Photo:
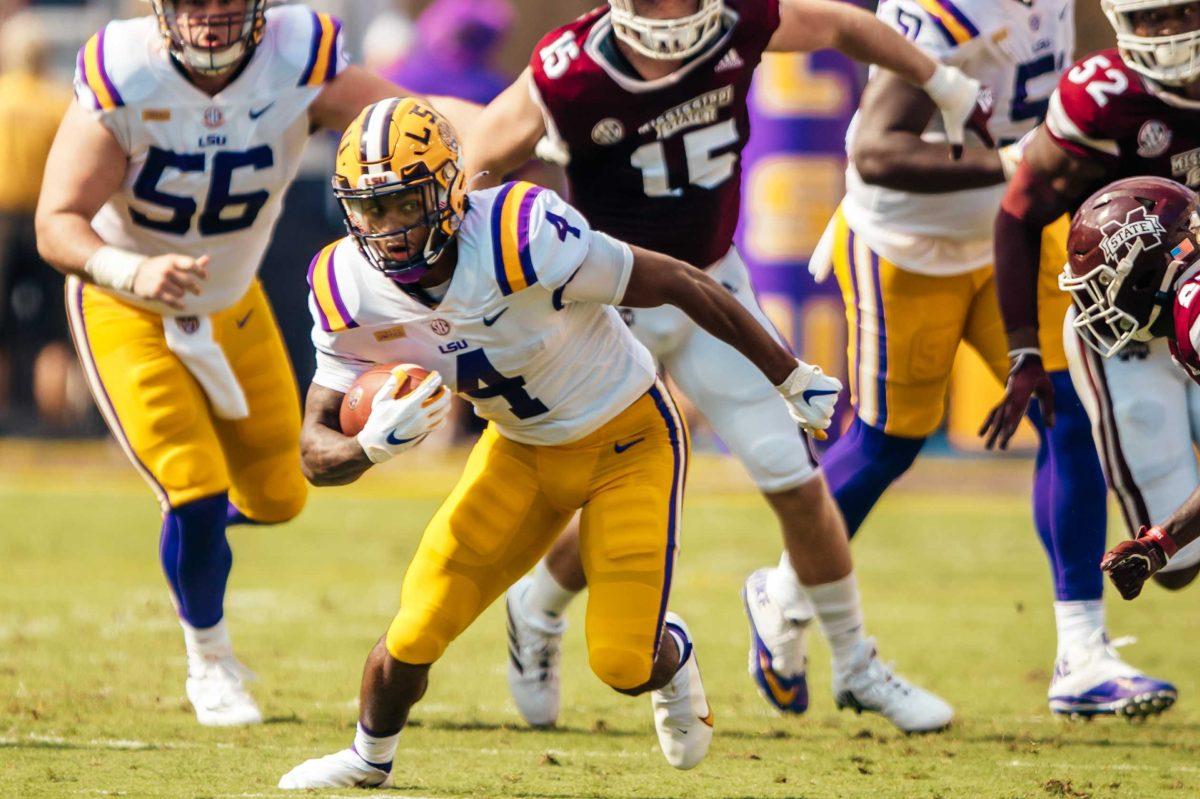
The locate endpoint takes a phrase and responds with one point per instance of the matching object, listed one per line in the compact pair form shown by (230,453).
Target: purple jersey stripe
(497,247)
(112,90)
(959,16)
(523,214)
(881,373)
(331,69)
(322,318)
(81,71)
(337,295)
(314,50)
(679,468)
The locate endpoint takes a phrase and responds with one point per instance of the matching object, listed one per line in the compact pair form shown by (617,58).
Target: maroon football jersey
(1186,339)
(1103,110)
(655,163)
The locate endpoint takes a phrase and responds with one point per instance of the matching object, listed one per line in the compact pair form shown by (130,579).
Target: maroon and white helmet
(1128,244)
(671,38)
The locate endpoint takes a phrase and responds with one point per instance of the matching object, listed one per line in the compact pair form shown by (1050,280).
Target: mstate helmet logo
(1153,139)
(1119,236)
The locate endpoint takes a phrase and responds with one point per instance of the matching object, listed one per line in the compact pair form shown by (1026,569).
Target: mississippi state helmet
(1172,59)
(400,181)
(211,43)
(1128,244)
(666,39)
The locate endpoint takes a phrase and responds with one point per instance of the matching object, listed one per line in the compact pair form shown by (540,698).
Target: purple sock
(196,559)
(861,465)
(1070,496)
(234,516)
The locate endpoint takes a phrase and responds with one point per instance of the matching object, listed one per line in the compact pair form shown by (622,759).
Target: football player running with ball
(160,194)
(507,296)
(1134,270)
(646,101)
(1131,111)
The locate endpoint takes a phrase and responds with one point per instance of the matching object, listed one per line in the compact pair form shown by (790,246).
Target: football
(356,403)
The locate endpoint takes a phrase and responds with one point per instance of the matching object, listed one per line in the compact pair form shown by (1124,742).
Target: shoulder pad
(309,43)
(536,237)
(111,69)
(333,291)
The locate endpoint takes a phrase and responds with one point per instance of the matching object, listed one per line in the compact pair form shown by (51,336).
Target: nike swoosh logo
(619,447)
(782,696)
(256,114)
(807,396)
(391,439)
(488,322)
(242,322)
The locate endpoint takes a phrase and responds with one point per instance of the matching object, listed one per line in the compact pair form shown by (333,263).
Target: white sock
(378,751)
(546,596)
(839,611)
(784,589)
(211,642)
(1077,622)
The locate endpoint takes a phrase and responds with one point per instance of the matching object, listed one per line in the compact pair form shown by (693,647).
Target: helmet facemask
(401,225)
(210,43)
(1172,60)
(667,39)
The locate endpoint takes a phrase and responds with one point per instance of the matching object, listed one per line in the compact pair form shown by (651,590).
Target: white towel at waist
(191,338)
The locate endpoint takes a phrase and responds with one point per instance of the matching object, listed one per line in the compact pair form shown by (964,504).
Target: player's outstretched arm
(810,25)
(1047,183)
(505,135)
(85,167)
(887,149)
(657,279)
(327,457)
(355,88)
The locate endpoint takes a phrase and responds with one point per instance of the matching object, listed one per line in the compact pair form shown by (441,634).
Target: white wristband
(939,83)
(114,268)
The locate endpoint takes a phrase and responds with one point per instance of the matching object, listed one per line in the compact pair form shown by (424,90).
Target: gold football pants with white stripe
(905,329)
(514,499)
(162,419)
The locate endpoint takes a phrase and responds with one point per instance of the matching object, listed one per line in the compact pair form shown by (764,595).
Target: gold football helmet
(400,181)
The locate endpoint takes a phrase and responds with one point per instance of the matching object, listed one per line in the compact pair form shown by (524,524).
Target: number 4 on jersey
(479,379)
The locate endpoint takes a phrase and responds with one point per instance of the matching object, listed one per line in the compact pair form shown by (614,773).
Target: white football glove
(397,424)
(811,395)
(956,95)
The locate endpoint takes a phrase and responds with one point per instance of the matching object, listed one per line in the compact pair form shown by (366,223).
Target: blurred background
(792,182)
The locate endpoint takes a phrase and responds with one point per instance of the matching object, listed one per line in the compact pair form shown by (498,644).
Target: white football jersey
(545,370)
(1017,49)
(206,175)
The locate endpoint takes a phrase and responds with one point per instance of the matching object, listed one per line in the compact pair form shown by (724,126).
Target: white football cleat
(534,646)
(344,769)
(682,715)
(871,685)
(216,687)
(777,653)
(1090,679)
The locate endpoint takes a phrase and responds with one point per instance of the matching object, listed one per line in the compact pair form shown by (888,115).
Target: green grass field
(955,586)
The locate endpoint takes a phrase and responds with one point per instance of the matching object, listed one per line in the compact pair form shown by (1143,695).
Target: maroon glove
(1026,379)
(1131,563)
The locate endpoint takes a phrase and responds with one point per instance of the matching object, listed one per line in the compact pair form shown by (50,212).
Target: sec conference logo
(1153,139)
(440,326)
(608,131)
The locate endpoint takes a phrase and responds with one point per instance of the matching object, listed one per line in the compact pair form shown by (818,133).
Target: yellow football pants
(514,499)
(162,418)
(905,329)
